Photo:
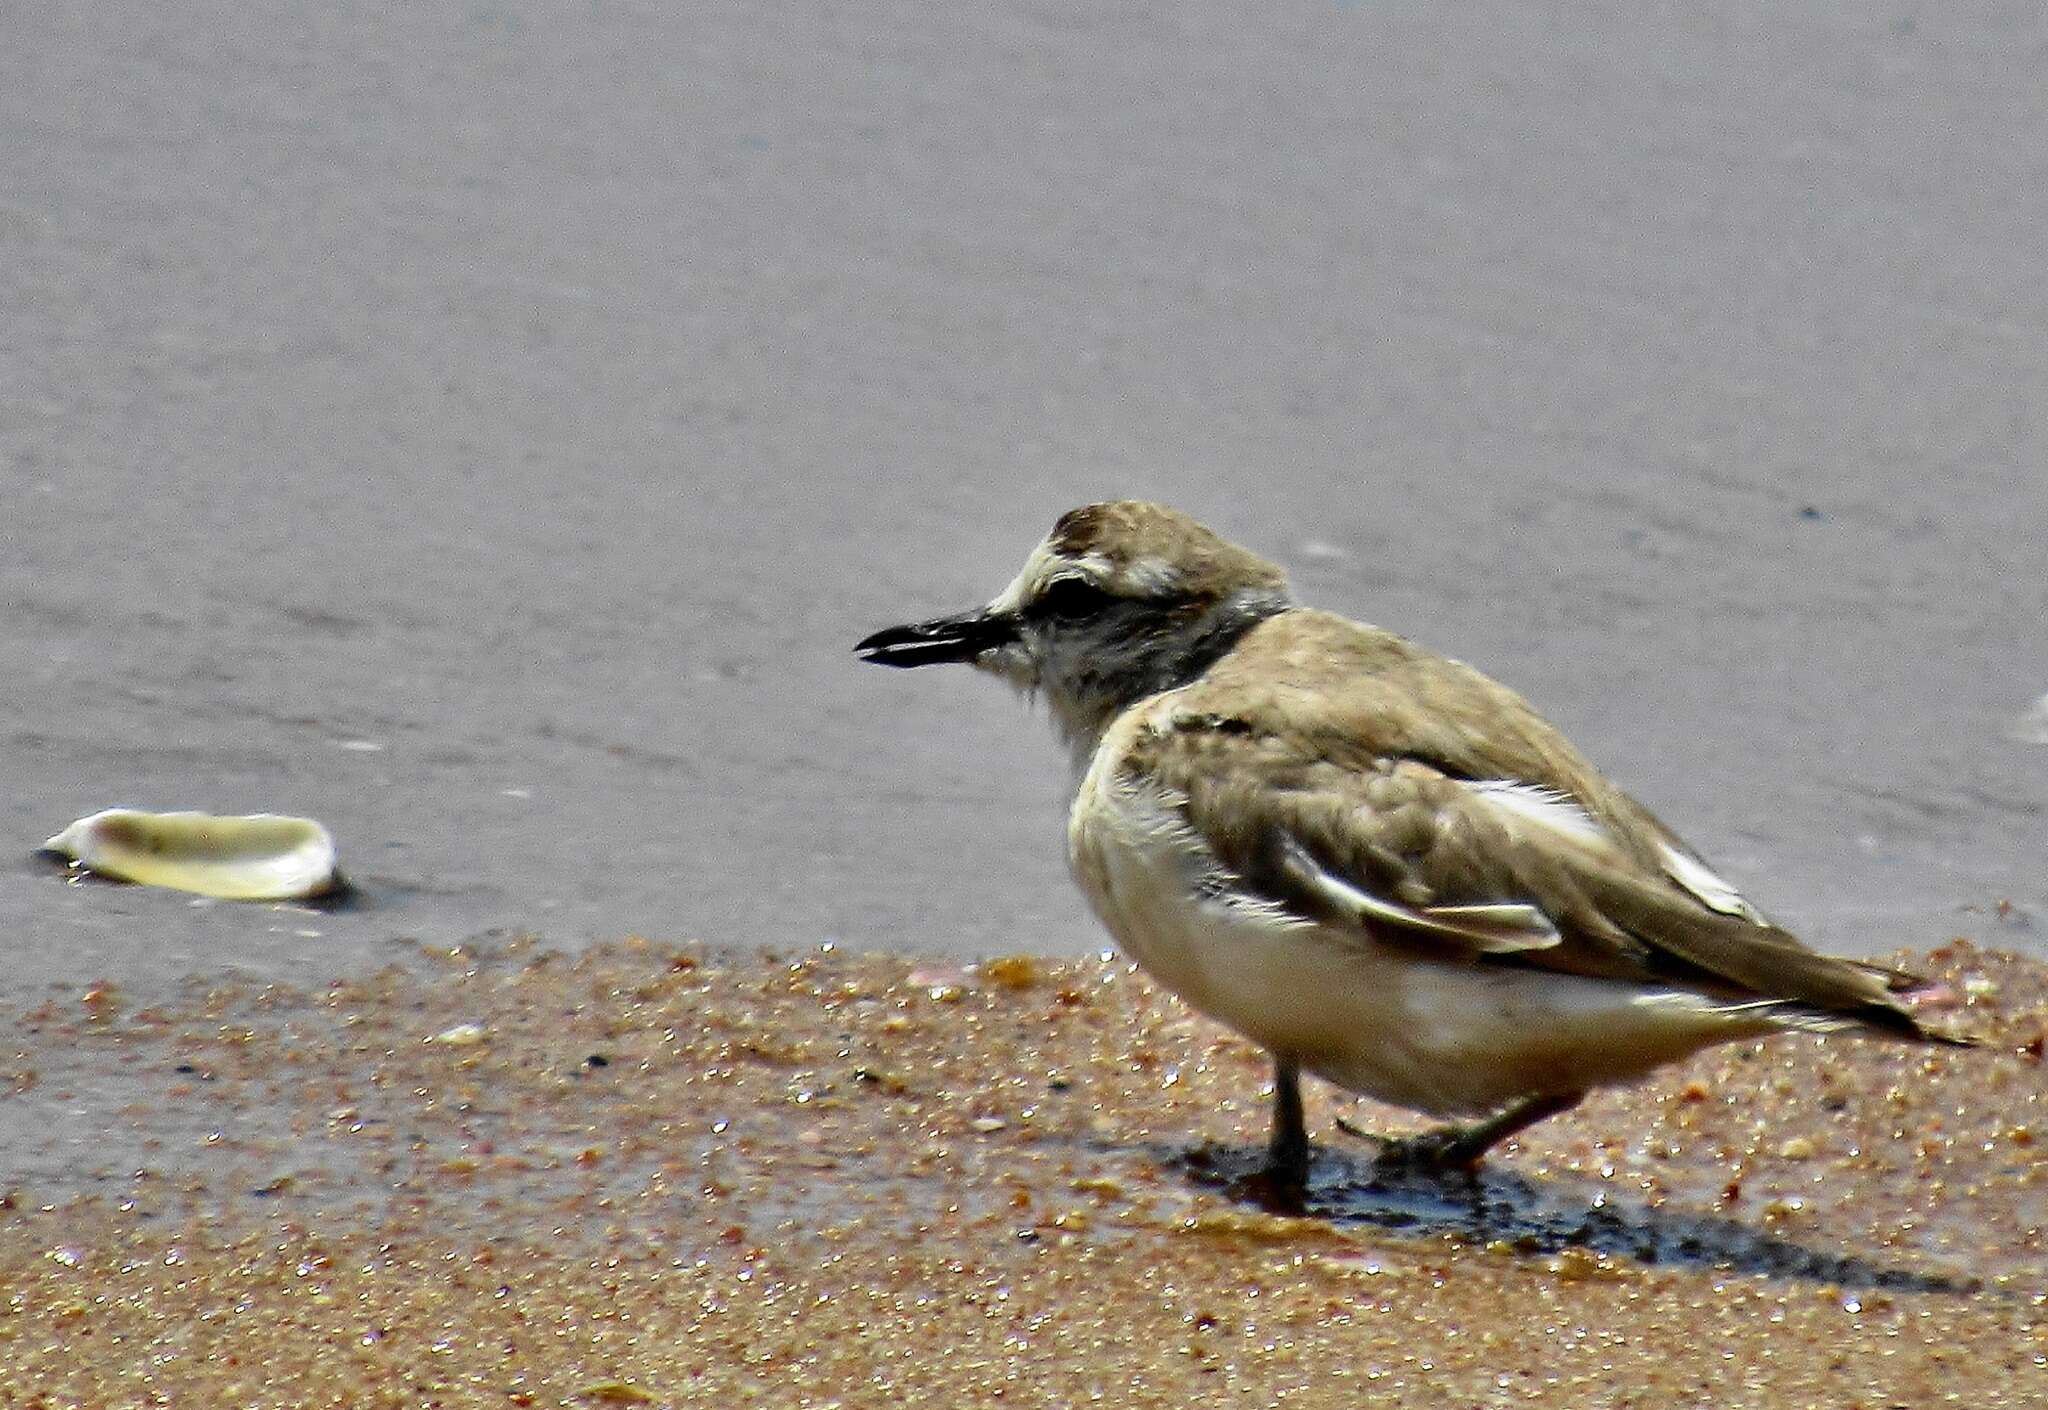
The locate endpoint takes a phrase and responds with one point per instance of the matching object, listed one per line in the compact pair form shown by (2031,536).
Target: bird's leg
(1460,1147)
(1287,1153)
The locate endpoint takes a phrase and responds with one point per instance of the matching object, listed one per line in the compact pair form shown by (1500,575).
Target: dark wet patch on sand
(651,1175)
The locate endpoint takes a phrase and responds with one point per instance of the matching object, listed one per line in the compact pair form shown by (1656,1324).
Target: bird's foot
(1359,1133)
(1276,1187)
(1445,1149)
(1274,1191)
(1282,1182)
(1459,1149)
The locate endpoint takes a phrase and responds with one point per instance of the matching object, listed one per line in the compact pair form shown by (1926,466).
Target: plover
(1377,863)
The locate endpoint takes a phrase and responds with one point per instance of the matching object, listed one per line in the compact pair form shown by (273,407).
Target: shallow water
(486,431)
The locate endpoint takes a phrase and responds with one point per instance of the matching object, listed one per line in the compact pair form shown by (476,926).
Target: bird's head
(1121,601)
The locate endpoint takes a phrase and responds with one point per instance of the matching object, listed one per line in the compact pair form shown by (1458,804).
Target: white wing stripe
(1545,807)
(1695,876)
(1561,814)
(1501,928)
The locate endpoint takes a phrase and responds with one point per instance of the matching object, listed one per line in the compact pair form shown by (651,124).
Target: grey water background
(487,427)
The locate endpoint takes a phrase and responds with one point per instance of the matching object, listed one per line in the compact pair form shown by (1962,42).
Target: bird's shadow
(1537,1216)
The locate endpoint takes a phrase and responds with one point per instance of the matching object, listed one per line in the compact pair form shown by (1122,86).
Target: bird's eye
(1071,599)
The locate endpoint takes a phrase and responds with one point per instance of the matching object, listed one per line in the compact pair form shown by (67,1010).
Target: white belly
(1445,1037)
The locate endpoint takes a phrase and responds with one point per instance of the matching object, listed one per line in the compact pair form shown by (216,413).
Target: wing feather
(1498,871)
(1493,929)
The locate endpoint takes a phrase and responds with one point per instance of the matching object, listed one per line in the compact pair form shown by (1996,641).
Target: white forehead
(1140,577)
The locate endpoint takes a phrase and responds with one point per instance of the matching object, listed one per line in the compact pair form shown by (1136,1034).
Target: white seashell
(257,857)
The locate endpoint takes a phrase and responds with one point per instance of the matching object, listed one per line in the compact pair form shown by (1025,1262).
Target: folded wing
(1501,871)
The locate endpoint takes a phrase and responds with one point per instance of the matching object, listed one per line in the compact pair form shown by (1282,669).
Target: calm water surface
(487,430)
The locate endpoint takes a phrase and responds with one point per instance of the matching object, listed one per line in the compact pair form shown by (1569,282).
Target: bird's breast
(1176,911)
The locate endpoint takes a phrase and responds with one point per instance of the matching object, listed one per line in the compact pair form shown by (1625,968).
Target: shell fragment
(256,857)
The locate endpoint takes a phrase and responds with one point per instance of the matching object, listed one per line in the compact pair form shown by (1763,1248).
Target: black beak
(961,637)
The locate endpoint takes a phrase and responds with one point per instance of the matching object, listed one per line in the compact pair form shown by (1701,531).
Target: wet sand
(655,1175)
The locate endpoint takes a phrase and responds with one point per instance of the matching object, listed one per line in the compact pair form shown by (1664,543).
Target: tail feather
(1770,963)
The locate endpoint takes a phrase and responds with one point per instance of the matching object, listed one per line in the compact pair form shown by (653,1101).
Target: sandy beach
(651,1175)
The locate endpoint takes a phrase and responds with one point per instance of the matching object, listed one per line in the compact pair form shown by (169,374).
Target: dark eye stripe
(1070,599)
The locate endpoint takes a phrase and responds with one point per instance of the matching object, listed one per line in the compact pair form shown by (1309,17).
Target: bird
(1377,863)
